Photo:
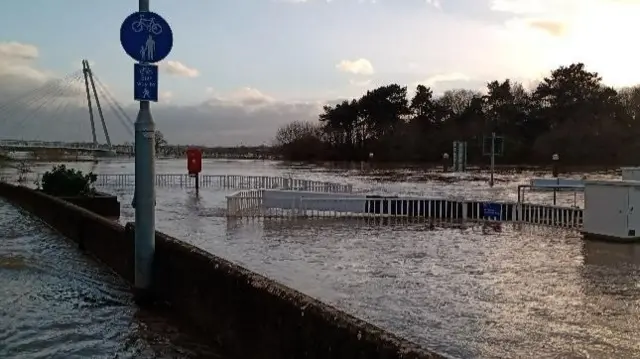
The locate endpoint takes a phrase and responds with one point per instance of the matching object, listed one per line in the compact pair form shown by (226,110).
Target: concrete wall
(247,315)
(101,203)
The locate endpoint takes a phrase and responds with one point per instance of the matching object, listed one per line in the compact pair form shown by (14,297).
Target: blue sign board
(492,210)
(145,82)
(146,37)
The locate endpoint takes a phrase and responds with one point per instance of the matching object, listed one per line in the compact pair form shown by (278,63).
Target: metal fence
(227,182)
(251,204)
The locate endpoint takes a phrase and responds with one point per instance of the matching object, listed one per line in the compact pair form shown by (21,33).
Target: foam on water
(57,303)
(522,292)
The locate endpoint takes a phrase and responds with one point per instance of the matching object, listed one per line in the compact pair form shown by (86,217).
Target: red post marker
(194,164)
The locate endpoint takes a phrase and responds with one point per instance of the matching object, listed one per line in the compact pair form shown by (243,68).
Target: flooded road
(57,303)
(521,293)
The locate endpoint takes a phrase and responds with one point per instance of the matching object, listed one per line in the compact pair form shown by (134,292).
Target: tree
(160,140)
(570,112)
(299,141)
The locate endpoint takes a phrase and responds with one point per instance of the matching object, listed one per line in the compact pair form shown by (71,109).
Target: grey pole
(493,156)
(144,196)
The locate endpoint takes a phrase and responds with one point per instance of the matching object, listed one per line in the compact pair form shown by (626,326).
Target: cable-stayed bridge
(74,113)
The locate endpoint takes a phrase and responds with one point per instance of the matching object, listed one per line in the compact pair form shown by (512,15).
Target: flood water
(57,303)
(521,293)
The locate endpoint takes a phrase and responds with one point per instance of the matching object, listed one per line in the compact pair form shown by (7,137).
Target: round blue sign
(146,37)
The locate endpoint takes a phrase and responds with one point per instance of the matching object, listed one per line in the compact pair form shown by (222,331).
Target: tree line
(570,112)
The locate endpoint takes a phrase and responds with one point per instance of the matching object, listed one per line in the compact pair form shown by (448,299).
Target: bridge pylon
(88,80)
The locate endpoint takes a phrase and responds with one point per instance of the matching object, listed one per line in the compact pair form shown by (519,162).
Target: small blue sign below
(146,37)
(145,82)
(492,210)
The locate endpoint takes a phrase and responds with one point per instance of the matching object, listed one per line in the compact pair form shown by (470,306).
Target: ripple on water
(529,293)
(57,303)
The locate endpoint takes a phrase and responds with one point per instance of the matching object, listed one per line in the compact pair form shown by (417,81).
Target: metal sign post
(493,157)
(459,156)
(496,148)
(147,38)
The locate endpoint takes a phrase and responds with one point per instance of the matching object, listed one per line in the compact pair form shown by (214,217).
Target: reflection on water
(57,303)
(521,293)
(525,292)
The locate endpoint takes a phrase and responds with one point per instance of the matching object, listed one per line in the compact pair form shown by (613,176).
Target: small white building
(630,173)
(612,210)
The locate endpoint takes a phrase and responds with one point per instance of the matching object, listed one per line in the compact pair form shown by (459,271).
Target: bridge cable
(53,98)
(37,91)
(112,105)
(111,97)
(46,98)
(21,105)
(61,90)
(25,107)
(57,114)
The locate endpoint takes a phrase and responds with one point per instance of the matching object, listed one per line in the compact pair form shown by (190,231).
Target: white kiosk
(612,210)
(630,173)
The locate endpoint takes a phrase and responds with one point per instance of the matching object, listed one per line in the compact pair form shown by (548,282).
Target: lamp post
(445,162)
(554,161)
(555,158)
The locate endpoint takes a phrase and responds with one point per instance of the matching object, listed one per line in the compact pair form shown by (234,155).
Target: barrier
(248,315)
(558,184)
(207,181)
(287,204)
(226,182)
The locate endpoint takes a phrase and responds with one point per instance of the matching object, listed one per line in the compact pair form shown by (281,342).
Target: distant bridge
(34,121)
(48,109)
(19,145)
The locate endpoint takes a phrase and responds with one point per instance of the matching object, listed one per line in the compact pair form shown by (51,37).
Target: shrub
(63,181)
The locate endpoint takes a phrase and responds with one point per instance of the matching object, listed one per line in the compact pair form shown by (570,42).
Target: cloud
(440,78)
(358,67)
(17,68)
(18,51)
(243,116)
(434,3)
(360,83)
(59,112)
(177,68)
(520,7)
(553,28)
(166,96)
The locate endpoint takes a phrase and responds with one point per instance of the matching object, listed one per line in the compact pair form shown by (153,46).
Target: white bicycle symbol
(148,24)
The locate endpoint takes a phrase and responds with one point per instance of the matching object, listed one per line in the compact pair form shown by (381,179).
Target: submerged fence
(226,182)
(205,181)
(287,204)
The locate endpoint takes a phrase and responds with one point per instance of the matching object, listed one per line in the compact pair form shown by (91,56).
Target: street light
(445,162)
(554,167)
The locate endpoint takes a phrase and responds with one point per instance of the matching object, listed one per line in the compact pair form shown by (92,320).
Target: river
(57,303)
(521,293)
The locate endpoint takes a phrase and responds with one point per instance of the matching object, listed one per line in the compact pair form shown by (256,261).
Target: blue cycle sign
(146,37)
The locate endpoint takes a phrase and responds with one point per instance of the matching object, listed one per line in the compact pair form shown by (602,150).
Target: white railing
(246,203)
(209,181)
(227,182)
(252,204)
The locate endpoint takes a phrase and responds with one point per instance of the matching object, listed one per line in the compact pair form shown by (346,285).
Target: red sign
(194,160)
